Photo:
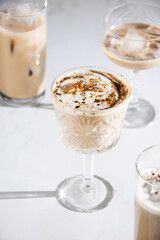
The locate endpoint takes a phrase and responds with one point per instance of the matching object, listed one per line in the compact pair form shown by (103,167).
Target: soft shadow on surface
(38,105)
(32,194)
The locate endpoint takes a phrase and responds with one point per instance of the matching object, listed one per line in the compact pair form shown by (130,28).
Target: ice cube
(135,41)
(115,41)
(25,9)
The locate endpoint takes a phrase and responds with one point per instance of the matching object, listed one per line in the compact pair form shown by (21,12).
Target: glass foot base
(140,116)
(22,102)
(72,195)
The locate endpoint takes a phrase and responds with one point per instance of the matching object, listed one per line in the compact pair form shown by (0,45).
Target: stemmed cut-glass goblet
(132,40)
(90,106)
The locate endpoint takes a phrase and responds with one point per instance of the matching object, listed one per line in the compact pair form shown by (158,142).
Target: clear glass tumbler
(22,50)
(132,40)
(88,132)
(147,195)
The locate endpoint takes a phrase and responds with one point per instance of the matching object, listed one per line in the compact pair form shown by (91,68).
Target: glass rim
(30,15)
(91,112)
(130,4)
(136,164)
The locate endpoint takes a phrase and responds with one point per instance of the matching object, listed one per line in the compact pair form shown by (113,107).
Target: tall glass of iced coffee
(132,40)
(147,195)
(22,50)
(90,106)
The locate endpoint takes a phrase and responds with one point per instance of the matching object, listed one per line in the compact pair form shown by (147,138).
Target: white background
(33,158)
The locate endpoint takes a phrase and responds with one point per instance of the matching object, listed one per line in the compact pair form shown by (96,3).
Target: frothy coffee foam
(90,90)
(148,195)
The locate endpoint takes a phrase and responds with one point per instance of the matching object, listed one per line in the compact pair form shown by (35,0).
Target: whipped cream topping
(90,90)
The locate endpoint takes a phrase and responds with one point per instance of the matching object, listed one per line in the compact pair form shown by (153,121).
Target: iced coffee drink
(133,45)
(22,52)
(147,196)
(90,108)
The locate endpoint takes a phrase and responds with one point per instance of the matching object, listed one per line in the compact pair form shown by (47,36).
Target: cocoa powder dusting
(92,85)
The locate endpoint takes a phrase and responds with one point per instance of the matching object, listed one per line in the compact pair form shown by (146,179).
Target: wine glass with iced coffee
(132,40)
(90,106)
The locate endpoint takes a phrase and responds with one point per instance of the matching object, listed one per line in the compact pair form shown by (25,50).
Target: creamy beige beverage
(22,52)
(133,45)
(147,206)
(90,108)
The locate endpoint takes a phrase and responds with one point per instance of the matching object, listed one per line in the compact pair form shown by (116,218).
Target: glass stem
(134,100)
(88,172)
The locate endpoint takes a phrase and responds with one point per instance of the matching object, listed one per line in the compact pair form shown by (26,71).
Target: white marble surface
(33,158)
